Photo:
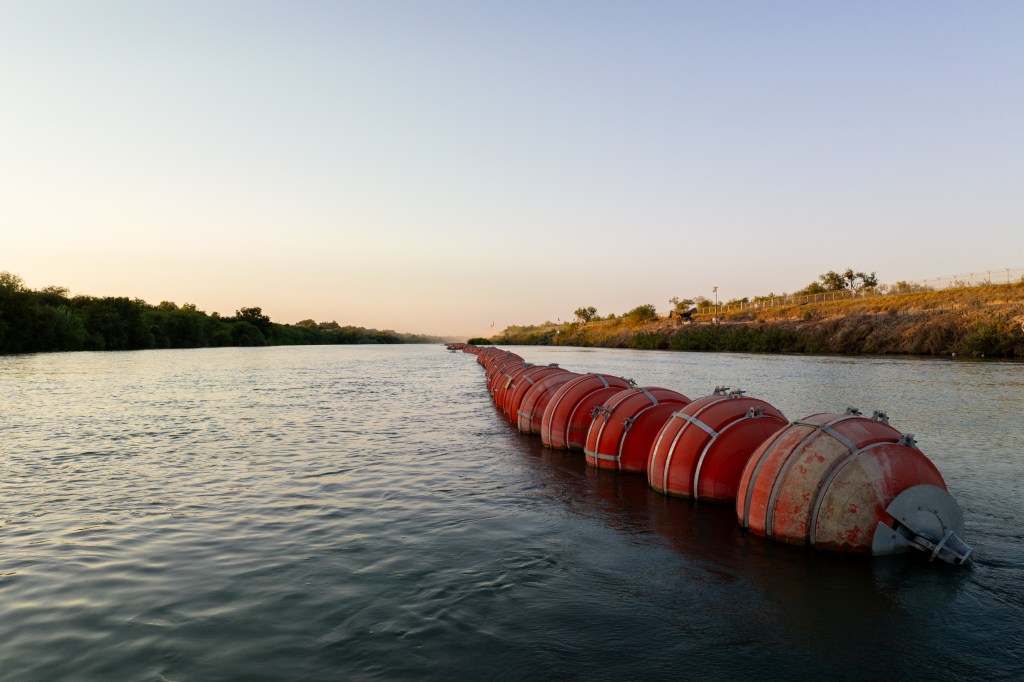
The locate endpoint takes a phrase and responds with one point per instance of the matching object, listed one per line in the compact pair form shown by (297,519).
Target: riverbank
(50,320)
(980,321)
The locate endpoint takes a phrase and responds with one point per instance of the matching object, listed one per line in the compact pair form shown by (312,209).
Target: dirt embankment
(983,321)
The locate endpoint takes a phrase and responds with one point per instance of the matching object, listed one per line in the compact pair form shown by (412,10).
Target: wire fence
(971,279)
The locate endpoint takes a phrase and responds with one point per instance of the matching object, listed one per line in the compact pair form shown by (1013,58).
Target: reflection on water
(365,513)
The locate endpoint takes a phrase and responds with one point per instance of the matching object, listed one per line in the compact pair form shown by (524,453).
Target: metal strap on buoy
(606,458)
(755,412)
(837,467)
(650,396)
(751,483)
(689,419)
(851,413)
(696,422)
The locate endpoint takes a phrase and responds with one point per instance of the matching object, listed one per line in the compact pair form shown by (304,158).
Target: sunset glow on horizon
(441,167)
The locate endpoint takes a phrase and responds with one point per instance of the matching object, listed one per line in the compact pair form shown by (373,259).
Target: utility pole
(715,290)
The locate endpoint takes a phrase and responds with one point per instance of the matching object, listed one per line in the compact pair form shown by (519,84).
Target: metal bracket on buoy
(631,382)
(627,423)
(720,390)
(852,411)
(754,412)
(908,440)
(927,519)
(879,416)
(736,393)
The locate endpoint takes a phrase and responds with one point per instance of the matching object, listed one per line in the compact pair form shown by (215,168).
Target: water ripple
(363,513)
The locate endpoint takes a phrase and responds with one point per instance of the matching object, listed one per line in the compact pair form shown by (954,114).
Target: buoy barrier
(493,363)
(623,428)
(701,450)
(488,357)
(505,382)
(523,383)
(840,482)
(849,483)
(500,372)
(536,399)
(567,417)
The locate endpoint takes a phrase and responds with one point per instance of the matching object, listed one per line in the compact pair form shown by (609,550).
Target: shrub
(642,313)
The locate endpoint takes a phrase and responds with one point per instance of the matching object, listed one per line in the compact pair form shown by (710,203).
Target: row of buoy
(841,482)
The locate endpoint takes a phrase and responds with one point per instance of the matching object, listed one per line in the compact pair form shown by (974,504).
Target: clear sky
(438,166)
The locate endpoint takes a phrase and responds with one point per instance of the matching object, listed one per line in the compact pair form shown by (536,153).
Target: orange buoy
(486,354)
(521,384)
(536,399)
(494,363)
(623,429)
(495,355)
(503,382)
(702,449)
(567,416)
(848,483)
(500,370)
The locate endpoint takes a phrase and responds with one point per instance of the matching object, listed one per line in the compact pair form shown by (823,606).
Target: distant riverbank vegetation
(986,320)
(49,319)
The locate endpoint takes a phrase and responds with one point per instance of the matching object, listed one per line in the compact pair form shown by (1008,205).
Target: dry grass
(976,321)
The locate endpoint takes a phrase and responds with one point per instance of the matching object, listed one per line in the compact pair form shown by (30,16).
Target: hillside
(979,321)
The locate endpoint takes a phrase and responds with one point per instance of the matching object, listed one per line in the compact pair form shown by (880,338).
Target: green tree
(11,282)
(681,305)
(855,281)
(811,289)
(848,280)
(244,333)
(255,317)
(642,313)
(585,315)
(832,281)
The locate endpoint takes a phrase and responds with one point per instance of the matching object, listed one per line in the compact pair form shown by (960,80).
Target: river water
(362,513)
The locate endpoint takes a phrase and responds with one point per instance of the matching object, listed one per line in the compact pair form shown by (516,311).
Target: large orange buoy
(500,370)
(521,384)
(536,399)
(495,355)
(700,452)
(624,427)
(486,354)
(497,360)
(567,417)
(503,382)
(849,483)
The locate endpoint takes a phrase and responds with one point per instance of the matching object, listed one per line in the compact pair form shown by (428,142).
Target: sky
(453,168)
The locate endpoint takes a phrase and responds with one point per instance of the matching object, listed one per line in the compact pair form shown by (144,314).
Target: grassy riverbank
(980,321)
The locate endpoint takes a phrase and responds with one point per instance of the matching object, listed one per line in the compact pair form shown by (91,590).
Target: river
(362,513)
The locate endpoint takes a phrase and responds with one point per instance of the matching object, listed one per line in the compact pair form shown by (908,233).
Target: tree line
(848,280)
(49,319)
